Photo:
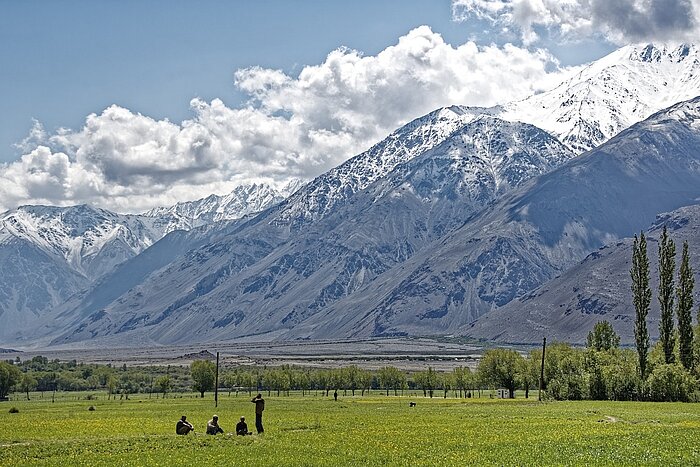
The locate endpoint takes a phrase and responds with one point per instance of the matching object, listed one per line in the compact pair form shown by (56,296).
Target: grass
(374,430)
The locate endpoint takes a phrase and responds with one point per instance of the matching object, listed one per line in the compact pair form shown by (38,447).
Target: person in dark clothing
(335,395)
(259,407)
(213,427)
(183,426)
(242,428)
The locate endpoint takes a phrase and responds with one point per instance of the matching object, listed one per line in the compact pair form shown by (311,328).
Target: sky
(134,104)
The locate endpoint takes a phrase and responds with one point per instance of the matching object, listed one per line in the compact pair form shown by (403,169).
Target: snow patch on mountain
(242,201)
(612,93)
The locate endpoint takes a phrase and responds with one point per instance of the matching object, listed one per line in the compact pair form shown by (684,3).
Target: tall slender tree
(684,294)
(642,299)
(667,269)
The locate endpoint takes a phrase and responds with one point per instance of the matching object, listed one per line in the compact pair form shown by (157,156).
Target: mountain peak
(613,93)
(654,53)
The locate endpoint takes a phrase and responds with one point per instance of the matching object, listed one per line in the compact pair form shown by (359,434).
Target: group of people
(183,427)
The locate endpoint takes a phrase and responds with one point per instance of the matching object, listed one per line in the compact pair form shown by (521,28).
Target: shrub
(670,383)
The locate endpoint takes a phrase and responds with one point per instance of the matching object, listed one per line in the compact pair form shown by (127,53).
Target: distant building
(503,393)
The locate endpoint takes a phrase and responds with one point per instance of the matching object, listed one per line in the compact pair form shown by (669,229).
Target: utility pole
(216,382)
(544,347)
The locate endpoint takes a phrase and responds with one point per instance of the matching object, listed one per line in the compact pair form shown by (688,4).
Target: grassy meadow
(370,430)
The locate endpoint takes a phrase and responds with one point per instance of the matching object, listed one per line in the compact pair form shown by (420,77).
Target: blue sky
(146,103)
(64,60)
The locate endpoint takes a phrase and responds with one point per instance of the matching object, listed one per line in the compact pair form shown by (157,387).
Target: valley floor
(410,354)
(370,430)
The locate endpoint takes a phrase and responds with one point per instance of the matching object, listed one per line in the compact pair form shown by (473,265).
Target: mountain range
(49,253)
(438,229)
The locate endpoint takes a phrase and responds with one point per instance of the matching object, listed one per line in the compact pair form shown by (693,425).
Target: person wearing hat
(183,426)
(213,427)
(242,428)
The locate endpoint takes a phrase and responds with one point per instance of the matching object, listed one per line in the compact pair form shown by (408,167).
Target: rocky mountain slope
(340,243)
(373,231)
(531,235)
(596,289)
(50,253)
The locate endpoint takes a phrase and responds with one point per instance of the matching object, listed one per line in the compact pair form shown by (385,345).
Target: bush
(670,383)
(14,410)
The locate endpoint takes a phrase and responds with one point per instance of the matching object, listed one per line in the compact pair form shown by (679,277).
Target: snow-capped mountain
(531,235)
(331,190)
(90,240)
(48,253)
(391,241)
(612,93)
(373,231)
(242,201)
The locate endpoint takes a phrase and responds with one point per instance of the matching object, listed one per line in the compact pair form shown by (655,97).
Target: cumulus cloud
(289,127)
(620,21)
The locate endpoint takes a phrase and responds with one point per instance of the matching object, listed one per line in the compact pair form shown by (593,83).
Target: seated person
(183,426)
(242,428)
(213,427)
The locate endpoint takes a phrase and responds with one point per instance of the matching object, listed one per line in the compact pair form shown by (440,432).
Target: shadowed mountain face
(598,288)
(531,235)
(259,280)
(49,253)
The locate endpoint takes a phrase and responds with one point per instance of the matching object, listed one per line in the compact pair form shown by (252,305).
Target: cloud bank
(619,21)
(289,127)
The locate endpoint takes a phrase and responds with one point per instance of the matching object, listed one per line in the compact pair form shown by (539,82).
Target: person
(242,428)
(259,407)
(183,426)
(335,395)
(213,427)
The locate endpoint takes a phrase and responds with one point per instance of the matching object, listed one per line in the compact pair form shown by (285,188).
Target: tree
(529,372)
(667,267)
(603,337)
(27,383)
(427,381)
(9,376)
(163,384)
(500,367)
(684,306)
(564,372)
(391,378)
(641,293)
(203,374)
(111,385)
(365,379)
(447,381)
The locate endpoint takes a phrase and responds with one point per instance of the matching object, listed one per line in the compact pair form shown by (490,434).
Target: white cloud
(290,127)
(620,21)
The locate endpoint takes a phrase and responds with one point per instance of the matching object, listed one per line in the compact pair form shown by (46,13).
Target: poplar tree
(642,299)
(667,267)
(684,294)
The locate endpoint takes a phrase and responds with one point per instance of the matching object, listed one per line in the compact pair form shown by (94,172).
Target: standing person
(183,426)
(335,395)
(213,427)
(259,407)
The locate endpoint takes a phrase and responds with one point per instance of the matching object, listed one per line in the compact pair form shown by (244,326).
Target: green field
(374,430)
